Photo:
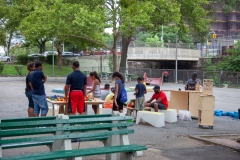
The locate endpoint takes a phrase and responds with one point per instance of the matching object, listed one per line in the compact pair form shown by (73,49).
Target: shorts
(30,100)
(120,104)
(40,104)
(77,101)
(160,106)
(139,103)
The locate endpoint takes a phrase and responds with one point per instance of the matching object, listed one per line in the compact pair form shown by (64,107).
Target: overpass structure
(157,53)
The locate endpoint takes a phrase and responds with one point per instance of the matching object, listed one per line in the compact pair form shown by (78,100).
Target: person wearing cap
(191,84)
(161,101)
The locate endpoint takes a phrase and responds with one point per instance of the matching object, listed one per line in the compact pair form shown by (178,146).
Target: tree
(231,62)
(73,22)
(186,15)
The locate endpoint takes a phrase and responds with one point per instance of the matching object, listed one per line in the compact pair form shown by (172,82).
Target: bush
(1,67)
(49,59)
(30,59)
(22,59)
(19,69)
(41,58)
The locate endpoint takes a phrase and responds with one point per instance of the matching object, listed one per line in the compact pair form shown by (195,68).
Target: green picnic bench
(59,132)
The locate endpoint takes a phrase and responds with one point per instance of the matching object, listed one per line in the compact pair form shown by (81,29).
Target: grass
(9,70)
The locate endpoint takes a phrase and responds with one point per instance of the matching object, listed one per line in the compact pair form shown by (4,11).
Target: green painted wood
(52,118)
(64,136)
(12,125)
(78,152)
(21,145)
(21,132)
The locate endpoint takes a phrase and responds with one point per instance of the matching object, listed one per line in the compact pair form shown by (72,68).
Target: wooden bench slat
(78,152)
(65,136)
(52,118)
(21,145)
(20,132)
(23,124)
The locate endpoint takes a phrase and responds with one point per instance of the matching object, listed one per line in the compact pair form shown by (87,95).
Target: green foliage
(153,42)
(211,71)
(49,59)
(30,59)
(41,58)
(22,59)
(19,69)
(110,62)
(1,67)
(231,62)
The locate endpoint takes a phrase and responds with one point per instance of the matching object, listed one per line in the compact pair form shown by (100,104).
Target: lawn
(9,69)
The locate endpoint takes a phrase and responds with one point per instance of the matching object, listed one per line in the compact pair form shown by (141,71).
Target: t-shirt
(120,86)
(191,84)
(36,78)
(162,96)
(104,94)
(141,89)
(28,87)
(77,80)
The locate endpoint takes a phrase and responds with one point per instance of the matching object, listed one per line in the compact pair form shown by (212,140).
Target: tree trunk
(9,42)
(59,50)
(115,56)
(125,43)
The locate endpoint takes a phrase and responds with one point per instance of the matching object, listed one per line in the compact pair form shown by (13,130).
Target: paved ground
(169,142)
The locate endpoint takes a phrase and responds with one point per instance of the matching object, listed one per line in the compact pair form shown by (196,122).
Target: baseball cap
(156,87)
(194,74)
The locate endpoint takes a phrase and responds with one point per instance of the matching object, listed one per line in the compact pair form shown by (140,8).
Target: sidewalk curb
(198,137)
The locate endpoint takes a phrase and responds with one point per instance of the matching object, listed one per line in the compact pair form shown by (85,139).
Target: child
(105,92)
(96,92)
(140,90)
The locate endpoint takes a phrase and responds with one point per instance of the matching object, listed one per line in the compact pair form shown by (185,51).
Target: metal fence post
(237,79)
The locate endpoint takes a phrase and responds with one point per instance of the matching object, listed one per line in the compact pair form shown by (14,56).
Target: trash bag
(185,115)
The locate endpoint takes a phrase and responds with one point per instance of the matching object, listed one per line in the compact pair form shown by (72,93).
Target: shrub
(1,67)
(30,59)
(41,58)
(19,69)
(49,59)
(22,59)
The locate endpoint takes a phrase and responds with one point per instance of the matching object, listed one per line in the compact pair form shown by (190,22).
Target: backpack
(123,98)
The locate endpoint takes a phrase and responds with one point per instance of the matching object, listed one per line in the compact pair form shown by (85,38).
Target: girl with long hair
(96,92)
(119,85)
(28,89)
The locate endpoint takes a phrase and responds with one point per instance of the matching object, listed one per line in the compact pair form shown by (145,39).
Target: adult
(105,92)
(191,84)
(28,90)
(38,79)
(119,84)
(160,103)
(96,92)
(77,82)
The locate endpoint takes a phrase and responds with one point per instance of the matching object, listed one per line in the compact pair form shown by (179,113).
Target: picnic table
(63,105)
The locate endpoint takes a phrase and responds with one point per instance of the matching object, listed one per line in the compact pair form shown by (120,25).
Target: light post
(176,62)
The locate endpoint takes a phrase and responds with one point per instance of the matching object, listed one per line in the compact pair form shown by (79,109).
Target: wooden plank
(193,103)
(178,100)
(65,121)
(78,152)
(65,136)
(21,132)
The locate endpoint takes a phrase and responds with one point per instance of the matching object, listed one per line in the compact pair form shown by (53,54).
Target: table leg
(98,109)
(53,110)
(61,109)
(66,109)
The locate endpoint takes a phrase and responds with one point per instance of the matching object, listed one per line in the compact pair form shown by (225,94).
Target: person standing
(160,98)
(119,85)
(191,84)
(38,79)
(29,89)
(77,82)
(96,92)
(140,90)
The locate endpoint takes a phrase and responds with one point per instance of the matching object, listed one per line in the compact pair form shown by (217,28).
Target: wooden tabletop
(95,101)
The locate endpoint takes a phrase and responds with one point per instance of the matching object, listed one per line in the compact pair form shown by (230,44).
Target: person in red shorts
(160,98)
(77,81)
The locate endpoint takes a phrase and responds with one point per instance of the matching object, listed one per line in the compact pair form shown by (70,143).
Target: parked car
(4,58)
(68,54)
(46,53)
(34,55)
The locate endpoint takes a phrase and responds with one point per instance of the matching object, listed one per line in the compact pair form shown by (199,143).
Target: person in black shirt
(28,90)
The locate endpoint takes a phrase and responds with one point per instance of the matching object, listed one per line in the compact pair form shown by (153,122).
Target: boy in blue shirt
(140,90)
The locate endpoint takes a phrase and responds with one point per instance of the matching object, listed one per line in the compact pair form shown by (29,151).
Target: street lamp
(176,62)
(53,56)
